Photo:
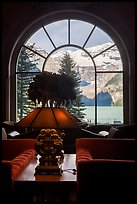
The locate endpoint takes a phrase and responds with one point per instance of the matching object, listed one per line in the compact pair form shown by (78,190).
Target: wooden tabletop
(68,175)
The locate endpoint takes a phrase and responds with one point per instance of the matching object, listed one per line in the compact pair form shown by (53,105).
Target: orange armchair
(105,169)
(16,155)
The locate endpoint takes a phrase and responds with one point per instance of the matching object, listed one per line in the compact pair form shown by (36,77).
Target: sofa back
(13,147)
(108,148)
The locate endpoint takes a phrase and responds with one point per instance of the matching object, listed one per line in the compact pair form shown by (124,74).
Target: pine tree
(25,64)
(67,65)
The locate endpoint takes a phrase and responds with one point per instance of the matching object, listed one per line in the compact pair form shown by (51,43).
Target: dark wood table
(50,187)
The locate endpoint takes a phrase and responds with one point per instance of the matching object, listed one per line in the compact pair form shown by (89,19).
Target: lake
(105,114)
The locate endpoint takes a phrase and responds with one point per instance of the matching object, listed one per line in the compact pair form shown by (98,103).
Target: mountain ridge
(107,62)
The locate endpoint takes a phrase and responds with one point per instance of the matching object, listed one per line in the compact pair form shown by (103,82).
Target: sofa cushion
(127,131)
(4,134)
(103,133)
(113,133)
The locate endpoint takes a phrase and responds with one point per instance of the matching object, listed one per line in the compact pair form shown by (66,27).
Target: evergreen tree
(25,64)
(51,89)
(67,65)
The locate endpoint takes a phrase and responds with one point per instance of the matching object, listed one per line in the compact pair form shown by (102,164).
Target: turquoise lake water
(105,114)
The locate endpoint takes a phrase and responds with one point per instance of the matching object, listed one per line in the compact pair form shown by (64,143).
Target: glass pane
(86,72)
(87,87)
(58,32)
(28,61)
(79,56)
(89,114)
(24,105)
(98,37)
(79,32)
(41,41)
(84,65)
(110,98)
(109,60)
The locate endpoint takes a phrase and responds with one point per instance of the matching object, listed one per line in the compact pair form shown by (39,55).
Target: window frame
(91,20)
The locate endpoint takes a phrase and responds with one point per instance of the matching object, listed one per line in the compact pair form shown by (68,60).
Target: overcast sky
(79,31)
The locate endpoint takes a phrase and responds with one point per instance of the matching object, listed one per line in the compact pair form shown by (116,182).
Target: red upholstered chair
(106,170)
(16,155)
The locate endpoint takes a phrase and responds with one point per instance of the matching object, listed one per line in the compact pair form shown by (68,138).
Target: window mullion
(89,36)
(49,37)
(95,96)
(69,31)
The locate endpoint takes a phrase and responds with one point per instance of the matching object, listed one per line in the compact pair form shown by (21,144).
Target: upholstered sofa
(71,134)
(112,131)
(16,155)
(97,131)
(106,170)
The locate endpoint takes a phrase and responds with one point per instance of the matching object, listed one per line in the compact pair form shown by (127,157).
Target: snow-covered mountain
(81,58)
(108,60)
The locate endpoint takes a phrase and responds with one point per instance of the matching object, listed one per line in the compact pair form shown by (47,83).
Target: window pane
(80,57)
(79,32)
(110,98)
(58,32)
(109,115)
(85,70)
(109,60)
(98,37)
(87,87)
(53,61)
(28,61)
(41,40)
(90,114)
(24,105)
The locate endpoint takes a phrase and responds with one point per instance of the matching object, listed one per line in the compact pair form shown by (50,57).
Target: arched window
(97,60)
